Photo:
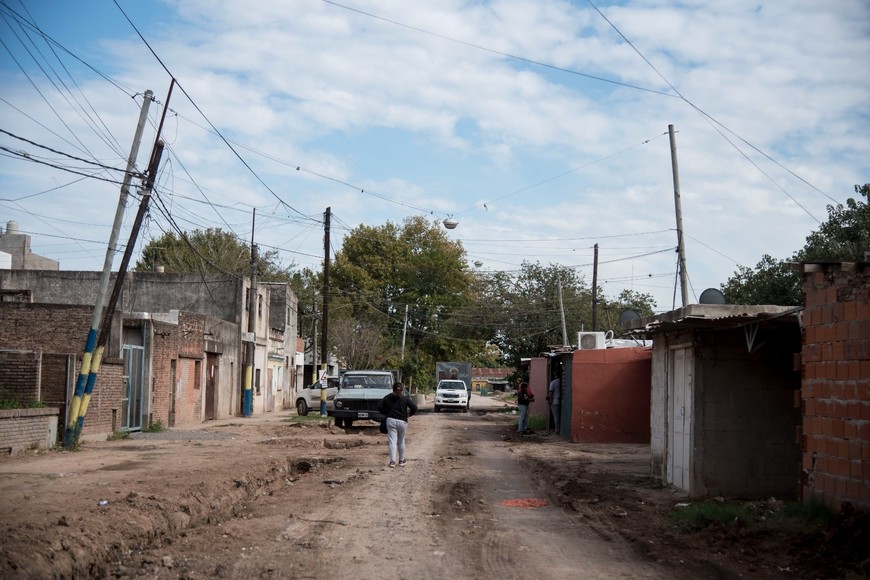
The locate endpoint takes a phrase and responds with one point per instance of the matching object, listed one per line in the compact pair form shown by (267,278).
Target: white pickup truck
(309,397)
(359,394)
(452,394)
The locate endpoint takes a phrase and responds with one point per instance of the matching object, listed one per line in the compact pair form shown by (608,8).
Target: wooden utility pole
(324,326)
(562,314)
(595,290)
(681,248)
(251,346)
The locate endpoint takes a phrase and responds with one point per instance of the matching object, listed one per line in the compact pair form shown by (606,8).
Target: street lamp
(450,223)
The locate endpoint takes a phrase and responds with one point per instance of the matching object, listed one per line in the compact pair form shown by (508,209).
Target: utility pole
(324,327)
(404,332)
(595,290)
(562,313)
(251,346)
(90,357)
(681,248)
(314,338)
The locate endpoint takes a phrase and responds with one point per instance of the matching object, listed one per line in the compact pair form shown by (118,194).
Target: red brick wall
(19,376)
(835,389)
(61,330)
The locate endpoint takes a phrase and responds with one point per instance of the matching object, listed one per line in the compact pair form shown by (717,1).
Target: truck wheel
(437,408)
(339,422)
(348,423)
(301,408)
(464,409)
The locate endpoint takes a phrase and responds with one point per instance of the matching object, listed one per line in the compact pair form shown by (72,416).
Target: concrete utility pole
(324,350)
(90,357)
(681,248)
(595,290)
(251,346)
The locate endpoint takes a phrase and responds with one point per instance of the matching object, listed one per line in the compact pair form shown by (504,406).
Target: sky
(540,126)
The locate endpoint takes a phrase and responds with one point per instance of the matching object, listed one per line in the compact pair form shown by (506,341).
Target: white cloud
(442,127)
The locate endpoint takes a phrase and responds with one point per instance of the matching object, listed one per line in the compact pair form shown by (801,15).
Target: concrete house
(209,353)
(723,414)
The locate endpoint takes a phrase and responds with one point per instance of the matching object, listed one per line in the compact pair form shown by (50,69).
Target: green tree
(383,272)
(209,251)
(771,282)
(843,237)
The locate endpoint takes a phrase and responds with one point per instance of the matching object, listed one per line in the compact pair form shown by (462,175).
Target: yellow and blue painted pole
(249,391)
(96,359)
(69,437)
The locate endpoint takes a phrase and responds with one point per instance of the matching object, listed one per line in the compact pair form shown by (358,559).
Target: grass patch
(117,436)
(310,418)
(14,403)
(156,426)
(757,514)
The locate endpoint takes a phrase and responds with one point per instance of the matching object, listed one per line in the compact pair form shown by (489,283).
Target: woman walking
(397,408)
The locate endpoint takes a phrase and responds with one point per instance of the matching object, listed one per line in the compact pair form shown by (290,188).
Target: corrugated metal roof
(714,316)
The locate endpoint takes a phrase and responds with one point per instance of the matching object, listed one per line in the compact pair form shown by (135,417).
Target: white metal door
(680,418)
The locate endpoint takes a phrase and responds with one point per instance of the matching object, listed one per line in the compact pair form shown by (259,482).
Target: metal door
(680,418)
(211,381)
(131,402)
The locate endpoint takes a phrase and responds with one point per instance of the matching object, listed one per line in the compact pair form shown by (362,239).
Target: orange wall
(611,395)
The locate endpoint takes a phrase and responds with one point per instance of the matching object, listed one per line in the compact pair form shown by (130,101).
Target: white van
(452,394)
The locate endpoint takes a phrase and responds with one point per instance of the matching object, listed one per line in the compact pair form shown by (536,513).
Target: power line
(498,52)
(200,111)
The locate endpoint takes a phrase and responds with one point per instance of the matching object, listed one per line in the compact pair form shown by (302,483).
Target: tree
(382,272)
(771,282)
(843,237)
(520,313)
(211,250)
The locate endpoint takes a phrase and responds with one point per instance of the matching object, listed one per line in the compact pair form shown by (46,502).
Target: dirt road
(271,498)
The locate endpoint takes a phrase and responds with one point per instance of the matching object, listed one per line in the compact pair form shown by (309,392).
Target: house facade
(180,340)
(723,410)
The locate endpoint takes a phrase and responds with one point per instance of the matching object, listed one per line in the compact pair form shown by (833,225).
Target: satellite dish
(450,223)
(711,296)
(627,316)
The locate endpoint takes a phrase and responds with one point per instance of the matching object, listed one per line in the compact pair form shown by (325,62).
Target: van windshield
(351,381)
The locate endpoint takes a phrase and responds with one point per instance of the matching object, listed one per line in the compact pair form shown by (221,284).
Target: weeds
(14,403)
(117,436)
(156,426)
(771,513)
(310,418)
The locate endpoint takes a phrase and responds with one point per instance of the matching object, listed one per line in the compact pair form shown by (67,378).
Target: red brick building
(835,384)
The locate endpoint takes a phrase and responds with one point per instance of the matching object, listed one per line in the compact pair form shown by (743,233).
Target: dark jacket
(397,407)
(524,395)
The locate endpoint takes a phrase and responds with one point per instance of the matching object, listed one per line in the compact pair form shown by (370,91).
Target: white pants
(396,429)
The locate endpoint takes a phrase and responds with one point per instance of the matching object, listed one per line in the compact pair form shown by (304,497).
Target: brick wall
(19,375)
(22,429)
(835,389)
(57,334)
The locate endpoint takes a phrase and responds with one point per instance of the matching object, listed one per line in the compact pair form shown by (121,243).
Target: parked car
(452,394)
(359,394)
(309,397)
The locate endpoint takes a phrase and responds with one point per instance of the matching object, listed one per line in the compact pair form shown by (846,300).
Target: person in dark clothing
(524,399)
(397,408)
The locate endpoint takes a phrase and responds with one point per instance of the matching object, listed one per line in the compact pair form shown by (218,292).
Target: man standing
(554,397)
(524,398)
